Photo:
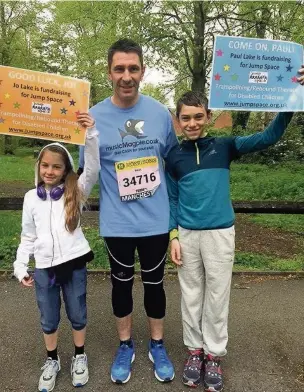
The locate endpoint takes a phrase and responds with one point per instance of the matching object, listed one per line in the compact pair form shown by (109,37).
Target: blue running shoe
(163,368)
(122,365)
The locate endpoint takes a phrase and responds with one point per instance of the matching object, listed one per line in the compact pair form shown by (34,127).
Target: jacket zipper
(59,244)
(52,231)
(197,154)
(53,235)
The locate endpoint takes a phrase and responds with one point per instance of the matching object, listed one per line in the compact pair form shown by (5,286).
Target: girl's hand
(27,281)
(176,252)
(86,120)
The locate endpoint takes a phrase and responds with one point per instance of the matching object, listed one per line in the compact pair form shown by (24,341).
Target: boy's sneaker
(48,377)
(122,365)
(79,370)
(213,377)
(193,368)
(163,368)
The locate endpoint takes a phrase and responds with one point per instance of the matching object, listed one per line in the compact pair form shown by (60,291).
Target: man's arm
(89,177)
(175,248)
(261,140)
(172,187)
(171,140)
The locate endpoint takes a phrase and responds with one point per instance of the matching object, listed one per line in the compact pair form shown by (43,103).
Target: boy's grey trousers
(205,281)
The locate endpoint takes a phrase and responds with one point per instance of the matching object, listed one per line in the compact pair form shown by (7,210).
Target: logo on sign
(258,77)
(41,108)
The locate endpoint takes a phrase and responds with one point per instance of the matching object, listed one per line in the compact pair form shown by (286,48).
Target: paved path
(265,353)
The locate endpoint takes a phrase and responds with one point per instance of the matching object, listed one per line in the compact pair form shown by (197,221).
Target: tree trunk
(7,146)
(242,118)
(199,66)
(239,119)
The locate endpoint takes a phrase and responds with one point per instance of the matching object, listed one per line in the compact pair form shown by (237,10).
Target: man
(136,134)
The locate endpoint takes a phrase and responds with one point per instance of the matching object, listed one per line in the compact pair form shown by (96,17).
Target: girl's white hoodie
(43,221)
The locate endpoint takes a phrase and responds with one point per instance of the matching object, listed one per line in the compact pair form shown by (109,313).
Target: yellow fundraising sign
(41,105)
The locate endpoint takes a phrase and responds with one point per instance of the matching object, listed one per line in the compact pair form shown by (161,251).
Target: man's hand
(176,252)
(86,120)
(301,78)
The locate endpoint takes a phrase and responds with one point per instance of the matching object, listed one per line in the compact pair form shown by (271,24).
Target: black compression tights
(152,256)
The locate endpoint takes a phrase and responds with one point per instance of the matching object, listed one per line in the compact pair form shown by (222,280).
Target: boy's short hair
(125,45)
(191,98)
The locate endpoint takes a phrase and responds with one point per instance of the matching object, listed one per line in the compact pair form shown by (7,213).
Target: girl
(51,231)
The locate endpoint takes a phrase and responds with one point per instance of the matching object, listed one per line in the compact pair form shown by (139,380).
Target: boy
(202,231)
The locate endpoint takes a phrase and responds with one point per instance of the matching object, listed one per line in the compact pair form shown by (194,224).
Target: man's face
(192,120)
(126,73)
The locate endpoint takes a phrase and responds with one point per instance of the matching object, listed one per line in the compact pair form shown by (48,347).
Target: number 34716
(138,180)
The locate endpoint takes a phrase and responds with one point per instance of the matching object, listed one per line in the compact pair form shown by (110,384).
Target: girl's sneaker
(48,377)
(213,377)
(79,370)
(193,368)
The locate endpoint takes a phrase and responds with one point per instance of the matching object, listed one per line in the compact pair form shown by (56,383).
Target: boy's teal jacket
(198,176)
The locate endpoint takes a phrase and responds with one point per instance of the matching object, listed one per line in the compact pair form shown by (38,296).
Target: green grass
(248,181)
(255,262)
(10,237)
(262,182)
(291,223)
(17,169)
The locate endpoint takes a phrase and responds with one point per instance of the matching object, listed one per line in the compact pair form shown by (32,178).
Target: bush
(8,249)
(289,148)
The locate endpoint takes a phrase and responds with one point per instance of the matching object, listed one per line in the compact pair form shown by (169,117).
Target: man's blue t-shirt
(125,135)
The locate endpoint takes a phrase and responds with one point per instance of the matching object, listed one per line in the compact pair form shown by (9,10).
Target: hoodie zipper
(197,154)
(51,230)
(59,244)
(52,234)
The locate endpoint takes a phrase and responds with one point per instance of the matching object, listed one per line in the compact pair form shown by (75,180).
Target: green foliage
(77,38)
(21,25)
(20,29)
(155,91)
(250,262)
(98,246)
(289,148)
(219,132)
(9,237)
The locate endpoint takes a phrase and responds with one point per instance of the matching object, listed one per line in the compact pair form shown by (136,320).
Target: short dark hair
(125,45)
(191,98)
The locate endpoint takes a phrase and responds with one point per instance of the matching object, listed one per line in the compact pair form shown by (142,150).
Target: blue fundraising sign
(256,75)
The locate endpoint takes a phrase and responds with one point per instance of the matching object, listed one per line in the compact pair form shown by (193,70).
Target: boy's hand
(27,281)
(301,78)
(86,120)
(176,252)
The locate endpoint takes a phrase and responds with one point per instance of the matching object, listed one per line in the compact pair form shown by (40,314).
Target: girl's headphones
(55,192)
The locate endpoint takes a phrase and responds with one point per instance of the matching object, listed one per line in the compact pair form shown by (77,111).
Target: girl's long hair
(73,197)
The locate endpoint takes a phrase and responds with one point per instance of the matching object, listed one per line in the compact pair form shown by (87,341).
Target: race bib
(137,178)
